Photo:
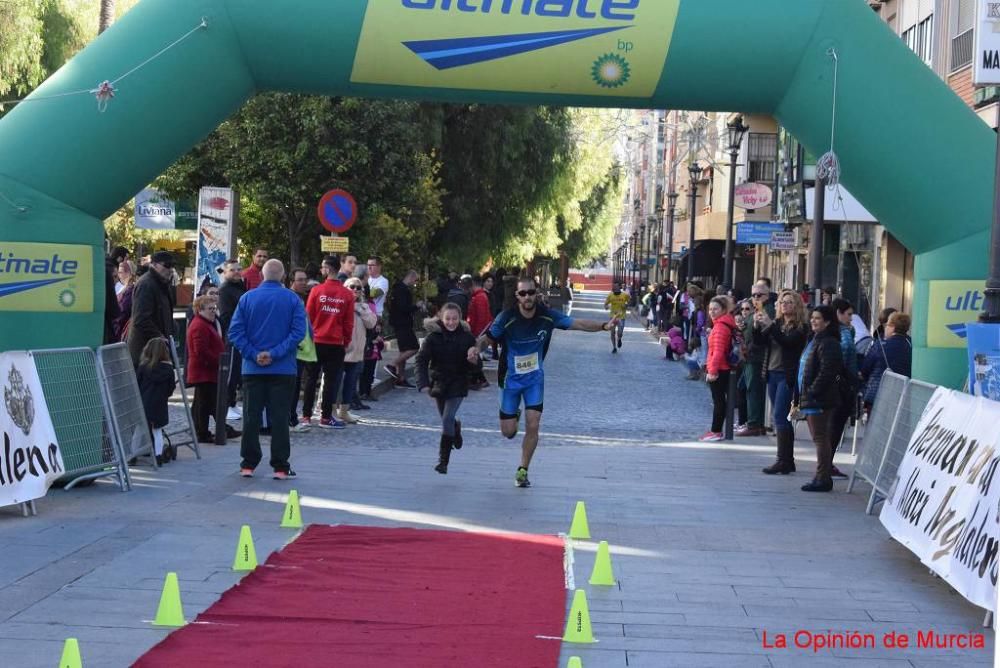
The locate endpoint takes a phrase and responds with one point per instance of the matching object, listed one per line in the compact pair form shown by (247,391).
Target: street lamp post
(658,244)
(643,250)
(672,209)
(735,131)
(635,261)
(695,172)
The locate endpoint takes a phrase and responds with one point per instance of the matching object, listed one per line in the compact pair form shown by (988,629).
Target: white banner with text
(944,504)
(30,460)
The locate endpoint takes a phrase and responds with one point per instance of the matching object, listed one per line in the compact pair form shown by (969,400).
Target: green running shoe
(521,477)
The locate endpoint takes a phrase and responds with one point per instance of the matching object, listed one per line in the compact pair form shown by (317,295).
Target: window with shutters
(762,157)
(962,24)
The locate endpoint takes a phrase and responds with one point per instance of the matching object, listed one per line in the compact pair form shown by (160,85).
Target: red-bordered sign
(337,211)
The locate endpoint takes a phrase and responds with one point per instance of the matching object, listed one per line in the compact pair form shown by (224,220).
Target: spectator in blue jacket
(848,384)
(892,353)
(266,329)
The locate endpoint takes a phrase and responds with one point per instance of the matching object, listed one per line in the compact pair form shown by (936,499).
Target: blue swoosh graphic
(958,330)
(445,54)
(13,288)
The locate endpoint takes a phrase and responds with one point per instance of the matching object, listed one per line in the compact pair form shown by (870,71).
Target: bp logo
(611,71)
(67,298)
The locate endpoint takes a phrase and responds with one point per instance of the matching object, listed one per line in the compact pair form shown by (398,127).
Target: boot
(458,435)
(345,416)
(785,463)
(444,454)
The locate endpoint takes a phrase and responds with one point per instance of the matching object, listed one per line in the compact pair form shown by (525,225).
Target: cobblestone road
(710,554)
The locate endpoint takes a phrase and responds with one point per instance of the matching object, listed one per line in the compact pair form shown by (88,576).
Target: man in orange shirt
(330,308)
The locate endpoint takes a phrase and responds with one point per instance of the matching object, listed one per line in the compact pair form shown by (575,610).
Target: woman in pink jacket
(720,341)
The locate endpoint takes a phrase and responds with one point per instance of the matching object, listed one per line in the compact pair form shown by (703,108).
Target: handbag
(795,413)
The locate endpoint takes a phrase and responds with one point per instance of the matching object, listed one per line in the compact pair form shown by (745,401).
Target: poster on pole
(30,460)
(215,234)
(984,359)
(943,504)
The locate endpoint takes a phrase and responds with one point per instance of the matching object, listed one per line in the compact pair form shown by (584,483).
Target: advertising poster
(50,278)
(984,359)
(952,304)
(215,234)
(30,460)
(614,49)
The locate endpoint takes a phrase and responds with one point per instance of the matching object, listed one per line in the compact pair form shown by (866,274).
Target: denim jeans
(352,371)
(781,399)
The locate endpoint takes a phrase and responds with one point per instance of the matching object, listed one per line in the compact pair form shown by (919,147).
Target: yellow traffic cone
(579,528)
(246,555)
(574,662)
(292,519)
(71,655)
(578,625)
(170,612)
(602,575)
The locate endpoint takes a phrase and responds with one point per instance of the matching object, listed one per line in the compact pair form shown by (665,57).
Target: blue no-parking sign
(337,211)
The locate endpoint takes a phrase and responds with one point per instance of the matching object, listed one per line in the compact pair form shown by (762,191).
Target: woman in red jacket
(720,341)
(204,348)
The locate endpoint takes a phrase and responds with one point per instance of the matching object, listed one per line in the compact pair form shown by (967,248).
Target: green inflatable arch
(916,156)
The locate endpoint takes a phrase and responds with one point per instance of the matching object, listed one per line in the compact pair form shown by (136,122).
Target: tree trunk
(107,15)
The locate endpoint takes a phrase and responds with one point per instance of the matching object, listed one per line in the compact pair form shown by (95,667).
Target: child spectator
(156,383)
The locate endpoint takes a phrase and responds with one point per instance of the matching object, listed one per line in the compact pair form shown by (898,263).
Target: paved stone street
(710,553)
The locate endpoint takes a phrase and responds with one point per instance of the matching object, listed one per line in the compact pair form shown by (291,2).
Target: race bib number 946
(524,364)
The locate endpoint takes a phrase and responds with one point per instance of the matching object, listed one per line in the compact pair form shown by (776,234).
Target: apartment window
(963,21)
(762,157)
(920,38)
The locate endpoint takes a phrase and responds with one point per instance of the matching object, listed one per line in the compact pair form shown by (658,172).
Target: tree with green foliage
(284,151)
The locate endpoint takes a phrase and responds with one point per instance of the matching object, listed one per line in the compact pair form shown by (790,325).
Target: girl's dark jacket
(442,363)
(155,386)
(823,369)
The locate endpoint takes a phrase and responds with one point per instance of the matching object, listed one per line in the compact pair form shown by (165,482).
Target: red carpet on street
(353,597)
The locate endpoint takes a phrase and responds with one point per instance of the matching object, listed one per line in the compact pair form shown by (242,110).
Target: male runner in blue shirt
(524,333)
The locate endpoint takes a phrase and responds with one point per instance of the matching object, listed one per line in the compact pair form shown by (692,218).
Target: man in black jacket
(230,291)
(401,311)
(152,305)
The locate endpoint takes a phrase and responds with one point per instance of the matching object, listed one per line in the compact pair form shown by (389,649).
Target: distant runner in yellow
(617,303)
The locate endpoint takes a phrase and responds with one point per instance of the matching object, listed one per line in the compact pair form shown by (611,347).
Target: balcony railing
(961,50)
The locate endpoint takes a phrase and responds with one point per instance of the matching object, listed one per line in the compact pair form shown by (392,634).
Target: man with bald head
(266,329)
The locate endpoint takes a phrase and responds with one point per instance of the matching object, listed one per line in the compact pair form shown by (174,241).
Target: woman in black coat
(447,355)
(820,372)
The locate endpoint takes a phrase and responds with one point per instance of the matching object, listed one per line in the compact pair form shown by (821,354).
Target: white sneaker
(234,413)
(300,428)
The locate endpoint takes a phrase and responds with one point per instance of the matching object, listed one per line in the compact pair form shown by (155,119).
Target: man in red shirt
(479,318)
(330,309)
(252,275)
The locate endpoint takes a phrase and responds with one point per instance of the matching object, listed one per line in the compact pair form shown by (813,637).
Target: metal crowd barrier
(78,407)
(186,435)
(126,416)
(898,406)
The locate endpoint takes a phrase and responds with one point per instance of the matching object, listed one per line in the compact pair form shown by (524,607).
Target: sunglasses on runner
(527,293)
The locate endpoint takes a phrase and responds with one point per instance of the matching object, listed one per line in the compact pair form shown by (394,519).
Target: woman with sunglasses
(820,370)
(364,320)
(783,340)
